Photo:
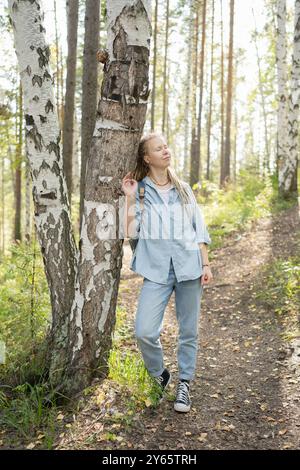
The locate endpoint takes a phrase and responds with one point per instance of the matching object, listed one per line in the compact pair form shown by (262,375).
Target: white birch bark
(51,206)
(84,289)
(282,77)
(288,171)
(288,103)
(119,124)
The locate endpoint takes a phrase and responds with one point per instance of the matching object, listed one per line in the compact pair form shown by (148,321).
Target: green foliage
(236,207)
(24,310)
(282,291)
(127,367)
(26,413)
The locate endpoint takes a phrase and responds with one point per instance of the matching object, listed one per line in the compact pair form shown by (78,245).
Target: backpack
(141,188)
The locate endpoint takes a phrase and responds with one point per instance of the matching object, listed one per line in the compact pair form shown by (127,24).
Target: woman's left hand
(207,276)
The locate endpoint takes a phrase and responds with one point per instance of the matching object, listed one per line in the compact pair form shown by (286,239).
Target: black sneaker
(163,380)
(182,401)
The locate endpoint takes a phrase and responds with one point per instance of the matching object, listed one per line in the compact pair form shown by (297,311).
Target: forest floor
(246,392)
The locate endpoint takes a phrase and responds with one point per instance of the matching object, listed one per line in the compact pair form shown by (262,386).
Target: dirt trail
(246,393)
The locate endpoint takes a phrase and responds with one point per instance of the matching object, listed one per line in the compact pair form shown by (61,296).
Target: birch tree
(51,205)
(289,165)
(227,150)
(84,282)
(282,81)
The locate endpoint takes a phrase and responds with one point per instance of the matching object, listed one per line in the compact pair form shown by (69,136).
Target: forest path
(246,392)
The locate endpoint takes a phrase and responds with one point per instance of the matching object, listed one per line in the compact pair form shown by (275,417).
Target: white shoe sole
(181,407)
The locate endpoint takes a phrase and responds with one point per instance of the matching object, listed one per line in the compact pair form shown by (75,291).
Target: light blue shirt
(168,231)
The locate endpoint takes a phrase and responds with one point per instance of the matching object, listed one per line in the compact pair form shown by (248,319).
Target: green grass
(127,368)
(234,209)
(24,311)
(25,413)
(282,293)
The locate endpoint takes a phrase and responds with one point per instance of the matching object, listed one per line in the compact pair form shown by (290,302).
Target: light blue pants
(152,302)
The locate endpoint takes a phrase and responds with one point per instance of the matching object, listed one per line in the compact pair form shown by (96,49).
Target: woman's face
(157,153)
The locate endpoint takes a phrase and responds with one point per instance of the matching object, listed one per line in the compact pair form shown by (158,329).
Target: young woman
(171,254)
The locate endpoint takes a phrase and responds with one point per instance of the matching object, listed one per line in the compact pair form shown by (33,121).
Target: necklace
(159,184)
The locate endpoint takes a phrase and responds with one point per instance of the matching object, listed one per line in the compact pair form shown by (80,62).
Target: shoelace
(182,392)
(159,379)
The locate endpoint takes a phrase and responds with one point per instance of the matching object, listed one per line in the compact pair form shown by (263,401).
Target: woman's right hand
(129,185)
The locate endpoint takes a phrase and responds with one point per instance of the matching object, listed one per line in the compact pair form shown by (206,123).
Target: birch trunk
(83,289)
(51,205)
(119,125)
(282,77)
(288,170)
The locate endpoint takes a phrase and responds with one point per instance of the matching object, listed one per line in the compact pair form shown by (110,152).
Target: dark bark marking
(44,55)
(37,79)
(54,147)
(49,107)
(43,119)
(35,136)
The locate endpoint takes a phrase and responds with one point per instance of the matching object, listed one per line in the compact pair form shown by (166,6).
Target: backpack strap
(141,188)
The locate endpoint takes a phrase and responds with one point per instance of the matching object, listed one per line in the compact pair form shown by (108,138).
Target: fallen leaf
(30,446)
(202,437)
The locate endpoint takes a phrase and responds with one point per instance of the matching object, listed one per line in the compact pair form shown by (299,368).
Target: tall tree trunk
(186,162)
(75,165)
(61,110)
(118,129)
(222,92)
(2,206)
(165,85)
(290,186)
(266,160)
(56,57)
(84,310)
(89,86)
(51,205)
(193,175)
(198,161)
(68,127)
(288,154)
(18,169)
(211,90)
(154,68)
(229,98)
(27,201)
(282,77)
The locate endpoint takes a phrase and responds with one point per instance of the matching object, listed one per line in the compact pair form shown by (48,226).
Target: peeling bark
(119,125)
(83,284)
